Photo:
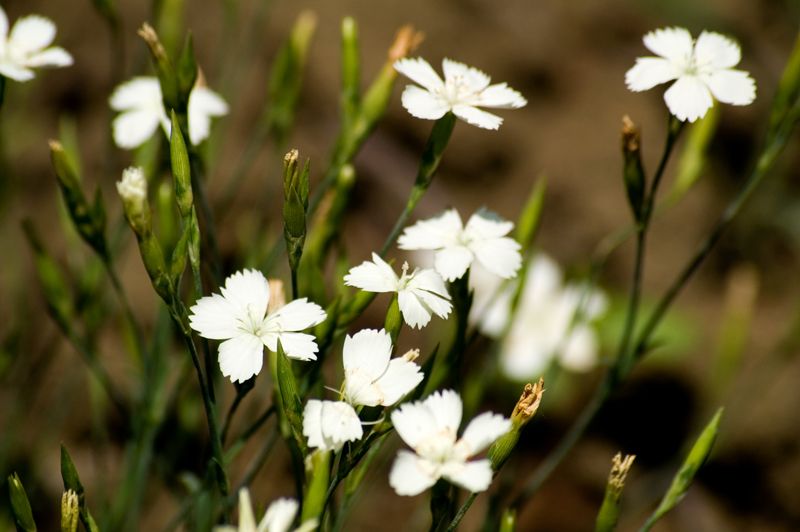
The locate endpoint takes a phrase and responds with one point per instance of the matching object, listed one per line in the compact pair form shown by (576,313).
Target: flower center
(456,90)
(438,447)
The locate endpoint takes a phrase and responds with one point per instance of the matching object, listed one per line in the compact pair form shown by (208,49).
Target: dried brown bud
(149,35)
(277,297)
(405,41)
(528,403)
(631,136)
(619,470)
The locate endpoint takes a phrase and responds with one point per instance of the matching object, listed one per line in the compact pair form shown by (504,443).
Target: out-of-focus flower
(27,46)
(483,239)
(463,91)
(552,320)
(430,427)
(420,293)
(141,109)
(371,378)
(133,185)
(239,316)
(278,518)
(702,70)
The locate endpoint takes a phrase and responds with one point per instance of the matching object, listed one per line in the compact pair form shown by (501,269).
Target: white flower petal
(716,51)
(688,98)
(446,408)
(523,359)
(480,225)
(203,105)
(52,57)
(414,423)
(476,117)
(365,356)
(671,43)
(419,71)
(299,346)
(132,128)
(472,77)
(247,521)
(422,104)
(241,357)
(297,315)
(542,280)
(474,476)
(434,302)
(452,262)
(501,96)
(482,431)
(279,516)
(580,349)
(248,290)
(410,474)
(3,24)
(15,72)
(499,255)
(415,314)
(649,72)
(31,34)
(312,424)
(432,233)
(136,93)
(375,276)
(340,424)
(731,86)
(400,378)
(214,317)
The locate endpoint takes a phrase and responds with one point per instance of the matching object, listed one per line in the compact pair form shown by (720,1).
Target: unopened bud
(277,296)
(406,40)
(20,507)
(70,508)
(528,403)
(132,189)
(608,515)
(166,73)
(633,172)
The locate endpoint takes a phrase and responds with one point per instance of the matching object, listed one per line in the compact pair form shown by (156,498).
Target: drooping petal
(297,315)
(415,314)
(400,378)
(474,476)
(414,423)
(472,77)
(421,103)
(203,105)
(434,302)
(432,233)
(367,352)
(716,51)
(300,346)
(419,71)
(133,128)
(481,432)
(137,93)
(248,290)
(52,57)
(688,98)
(476,117)
(372,276)
(452,262)
(340,423)
(649,72)
(31,34)
(446,408)
(241,357)
(671,43)
(279,516)
(735,87)
(501,96)
(500,256)
(214,317)
(15,72)
(411,475)
(312,424)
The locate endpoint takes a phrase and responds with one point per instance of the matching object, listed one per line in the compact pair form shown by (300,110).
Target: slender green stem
(462,511)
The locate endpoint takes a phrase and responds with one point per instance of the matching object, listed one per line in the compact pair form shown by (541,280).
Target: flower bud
(20,507)
(633,172)
(70,511)
(181,168)
(132,188)
(164,68)
(295,206)
(608,515)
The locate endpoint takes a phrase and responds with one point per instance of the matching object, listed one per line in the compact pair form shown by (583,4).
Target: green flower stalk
(318,473)
(608,515)
(20,506)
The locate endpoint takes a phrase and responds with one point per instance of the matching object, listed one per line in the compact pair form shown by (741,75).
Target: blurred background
(733,338)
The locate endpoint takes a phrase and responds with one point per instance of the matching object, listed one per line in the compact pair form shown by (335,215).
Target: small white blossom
(27,46)
(278,518)
(483,239)
(702,69)
(239,316)
(430,427)
(133,185)
(141,108)
(328,425)
(553,320)
(420,293)
(371,378)
(462,92)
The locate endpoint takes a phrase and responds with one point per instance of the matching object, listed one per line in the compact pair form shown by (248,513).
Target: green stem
(462,512)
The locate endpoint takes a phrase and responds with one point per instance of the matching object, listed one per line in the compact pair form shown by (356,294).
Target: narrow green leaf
(293,408)
(186,68)
(528,222)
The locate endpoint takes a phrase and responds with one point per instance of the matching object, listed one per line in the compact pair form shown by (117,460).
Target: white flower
(371,376)
(462,92)
(430,427)
(328,425)
(419,293)
(142,110)
(552,320)
(483,239)
(28,47)
(133,185)
(239,316)
(278,517)
(702,68)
